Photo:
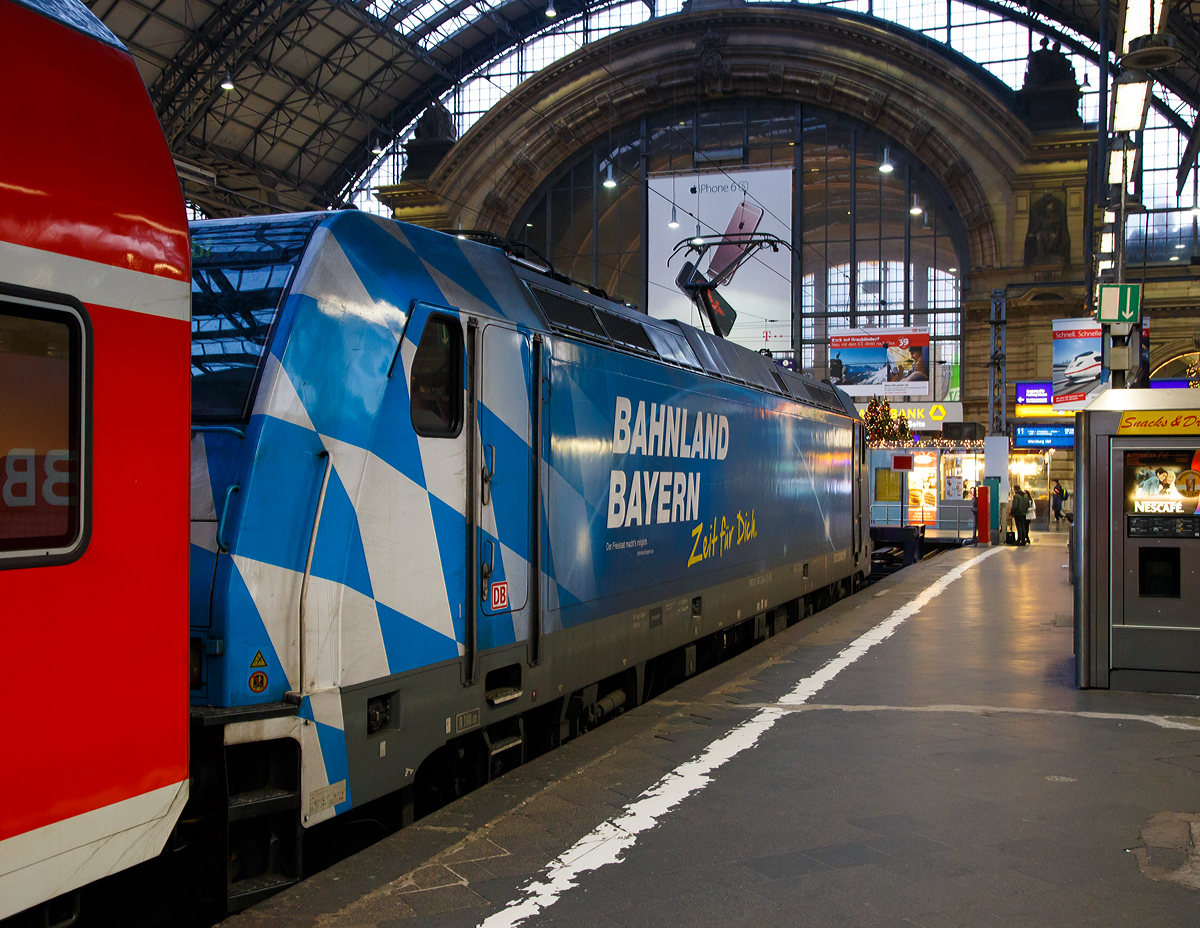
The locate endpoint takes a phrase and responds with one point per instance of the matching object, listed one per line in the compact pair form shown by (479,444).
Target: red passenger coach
(94,395)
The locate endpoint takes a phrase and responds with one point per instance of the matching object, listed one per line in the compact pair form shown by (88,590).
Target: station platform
(916,754)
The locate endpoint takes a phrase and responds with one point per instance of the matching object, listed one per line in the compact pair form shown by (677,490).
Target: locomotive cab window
(233,310)
(241,272)
(42,352)
(436,389)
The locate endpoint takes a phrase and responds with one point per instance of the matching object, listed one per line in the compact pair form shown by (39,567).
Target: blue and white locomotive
(449,508)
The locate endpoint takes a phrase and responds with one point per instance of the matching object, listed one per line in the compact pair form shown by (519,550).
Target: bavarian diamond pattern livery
(330,549)
(392,516)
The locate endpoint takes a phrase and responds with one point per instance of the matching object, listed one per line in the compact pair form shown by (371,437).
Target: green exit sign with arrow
(1121,303)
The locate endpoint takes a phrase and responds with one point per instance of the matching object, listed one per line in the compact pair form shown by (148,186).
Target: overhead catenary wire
(636,179)
(615,268)
(591,50)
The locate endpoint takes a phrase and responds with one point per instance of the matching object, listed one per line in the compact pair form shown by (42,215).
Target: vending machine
(1137,589)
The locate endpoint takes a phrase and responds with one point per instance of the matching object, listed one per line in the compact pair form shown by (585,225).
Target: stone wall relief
(1047,235)
(714,75)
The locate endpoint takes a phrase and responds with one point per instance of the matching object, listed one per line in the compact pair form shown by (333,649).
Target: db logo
(500,595)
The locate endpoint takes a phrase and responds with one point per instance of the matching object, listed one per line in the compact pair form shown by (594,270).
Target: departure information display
(1044,436)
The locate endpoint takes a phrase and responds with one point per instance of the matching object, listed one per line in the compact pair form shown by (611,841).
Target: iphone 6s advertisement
(727,206)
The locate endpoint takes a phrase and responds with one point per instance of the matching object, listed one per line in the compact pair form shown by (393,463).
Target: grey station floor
(950,775)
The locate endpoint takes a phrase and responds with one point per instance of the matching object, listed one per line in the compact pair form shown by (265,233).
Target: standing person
(1057,497)
(1018,508)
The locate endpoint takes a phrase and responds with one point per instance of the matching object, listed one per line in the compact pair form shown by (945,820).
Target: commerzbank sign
(924,416)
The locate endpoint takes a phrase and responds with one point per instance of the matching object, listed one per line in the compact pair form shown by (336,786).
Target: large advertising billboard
(1078,371)
(727,203)
(880,362)
(1162,481)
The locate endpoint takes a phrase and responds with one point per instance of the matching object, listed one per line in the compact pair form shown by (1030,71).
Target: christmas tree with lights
(882,426)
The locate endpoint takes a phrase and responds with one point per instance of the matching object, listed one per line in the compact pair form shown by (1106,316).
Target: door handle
(222,544)
(485,495)
(486,569)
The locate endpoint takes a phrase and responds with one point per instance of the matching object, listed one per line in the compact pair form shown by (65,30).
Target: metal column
(997,392)
(1085,631)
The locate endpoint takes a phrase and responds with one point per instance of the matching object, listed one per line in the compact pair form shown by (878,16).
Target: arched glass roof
(996,34)
(316,84)
(479,92)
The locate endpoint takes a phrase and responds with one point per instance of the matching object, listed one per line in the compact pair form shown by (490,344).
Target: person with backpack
(1058,496)
(1019,509)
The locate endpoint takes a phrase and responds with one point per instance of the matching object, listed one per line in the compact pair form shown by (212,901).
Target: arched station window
(865,259)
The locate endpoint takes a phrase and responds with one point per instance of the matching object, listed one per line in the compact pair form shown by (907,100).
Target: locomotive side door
(505,474)
(857,472)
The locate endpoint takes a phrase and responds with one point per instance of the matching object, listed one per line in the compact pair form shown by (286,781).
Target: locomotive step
(211,715)
(246,893)
(501,696)
(504,745)
(257,802)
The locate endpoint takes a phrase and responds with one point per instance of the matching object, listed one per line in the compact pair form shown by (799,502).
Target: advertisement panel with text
(1078,372)
(730,204)
(1162,481)
(880,362)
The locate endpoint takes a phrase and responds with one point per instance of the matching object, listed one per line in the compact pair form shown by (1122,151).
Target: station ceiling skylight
(317,83)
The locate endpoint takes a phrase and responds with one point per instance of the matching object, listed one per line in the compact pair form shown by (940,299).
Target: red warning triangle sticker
(258,660)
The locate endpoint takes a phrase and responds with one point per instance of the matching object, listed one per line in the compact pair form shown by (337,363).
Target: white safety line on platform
(1177,722)
(606,843)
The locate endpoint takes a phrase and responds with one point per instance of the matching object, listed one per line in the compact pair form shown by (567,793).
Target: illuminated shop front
(1043,447)
(1031,471)
(923,488)
(961,473)
(931,484)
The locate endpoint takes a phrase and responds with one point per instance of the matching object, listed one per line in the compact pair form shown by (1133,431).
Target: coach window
(436,390)
(41,430)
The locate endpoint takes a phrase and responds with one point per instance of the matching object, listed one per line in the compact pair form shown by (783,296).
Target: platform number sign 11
(500,595)
(1120,303)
